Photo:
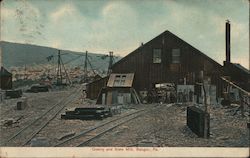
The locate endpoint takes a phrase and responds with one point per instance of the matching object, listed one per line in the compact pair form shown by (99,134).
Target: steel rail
(47,122)
(107,130)
(88,131)
(41,116)
(96,127)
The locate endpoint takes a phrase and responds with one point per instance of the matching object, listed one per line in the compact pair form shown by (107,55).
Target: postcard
(122,78)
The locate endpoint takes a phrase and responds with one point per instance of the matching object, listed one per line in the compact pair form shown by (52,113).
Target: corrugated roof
(120,80)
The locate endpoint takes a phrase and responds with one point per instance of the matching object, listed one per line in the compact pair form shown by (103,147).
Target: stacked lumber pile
(38,88)
(90,113)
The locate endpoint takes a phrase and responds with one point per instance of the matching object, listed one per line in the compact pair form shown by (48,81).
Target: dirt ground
(164,126)
(58,127)
(37,103)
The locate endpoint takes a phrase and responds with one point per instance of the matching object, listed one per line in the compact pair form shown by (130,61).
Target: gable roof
(198,51)
(4,72)
(168,33)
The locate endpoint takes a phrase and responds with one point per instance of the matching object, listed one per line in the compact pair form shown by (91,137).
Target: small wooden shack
(5,79)
(119,90)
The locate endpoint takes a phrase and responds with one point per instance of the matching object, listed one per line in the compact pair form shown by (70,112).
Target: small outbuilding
(5,79)
(119,90)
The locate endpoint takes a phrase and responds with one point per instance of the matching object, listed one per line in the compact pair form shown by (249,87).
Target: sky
(100,26)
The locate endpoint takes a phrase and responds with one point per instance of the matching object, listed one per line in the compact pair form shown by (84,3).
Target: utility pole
(65,72)
(111,58)
(86,66)
(59,69)
(25,72)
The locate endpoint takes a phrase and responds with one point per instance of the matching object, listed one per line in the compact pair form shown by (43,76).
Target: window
(156,55)
(119,80)
(122,81)
(176,56)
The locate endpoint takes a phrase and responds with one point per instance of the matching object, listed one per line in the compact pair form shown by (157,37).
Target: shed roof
(4,72)
(241,68)
(120,80)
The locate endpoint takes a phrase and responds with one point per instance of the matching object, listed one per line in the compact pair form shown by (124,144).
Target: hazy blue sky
(101,26)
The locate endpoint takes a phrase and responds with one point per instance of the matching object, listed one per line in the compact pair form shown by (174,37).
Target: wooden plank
(109,98)
(234,85)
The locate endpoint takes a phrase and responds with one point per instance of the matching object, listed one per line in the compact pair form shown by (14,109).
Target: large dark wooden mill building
(166,59)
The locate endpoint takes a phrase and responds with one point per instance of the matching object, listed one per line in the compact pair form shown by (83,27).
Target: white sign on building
(185,93)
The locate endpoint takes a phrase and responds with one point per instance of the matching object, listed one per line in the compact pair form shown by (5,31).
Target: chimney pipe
(228,55)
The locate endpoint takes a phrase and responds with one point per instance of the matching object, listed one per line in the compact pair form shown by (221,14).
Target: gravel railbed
(37,103)
(165,126)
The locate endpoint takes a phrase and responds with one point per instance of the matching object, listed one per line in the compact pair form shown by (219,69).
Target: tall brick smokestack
(228,55)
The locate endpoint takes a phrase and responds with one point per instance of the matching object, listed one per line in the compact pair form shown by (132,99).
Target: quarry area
(162,125)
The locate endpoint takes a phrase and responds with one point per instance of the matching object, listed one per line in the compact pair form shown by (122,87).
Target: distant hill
(16,54)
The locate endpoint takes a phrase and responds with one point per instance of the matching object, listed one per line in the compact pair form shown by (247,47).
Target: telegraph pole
(111,58)
(65,72)
(25,72)
(86,66)
(59,69)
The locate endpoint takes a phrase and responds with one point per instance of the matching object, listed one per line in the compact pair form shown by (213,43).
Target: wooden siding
(93,88)
(5,82)
(147,73)
(237,75)
(5,79)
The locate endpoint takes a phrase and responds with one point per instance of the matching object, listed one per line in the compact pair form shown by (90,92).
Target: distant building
(5,79)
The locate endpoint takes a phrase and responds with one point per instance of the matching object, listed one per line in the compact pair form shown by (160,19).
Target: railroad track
(23,136)
(83,138)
